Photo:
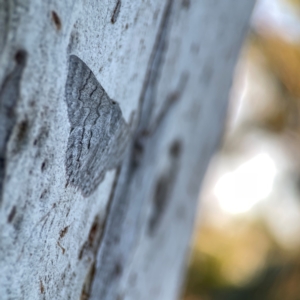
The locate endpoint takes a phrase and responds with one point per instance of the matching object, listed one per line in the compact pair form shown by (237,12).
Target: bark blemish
(20,57)
(56,20)
(118,270)
(94,230)
(175,149)
(116,12)
(85,293)
(22,130)
(164,187)
(93,240)
(32,103)
(63,232)
(84,246)
(42,288)
(11,214)
(44,165)
(67,214)
(63,250)
(159,203)
(21,135)
(43,194)
(138,150)
(186,4)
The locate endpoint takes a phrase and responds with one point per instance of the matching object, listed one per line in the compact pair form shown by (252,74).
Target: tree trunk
(98,197)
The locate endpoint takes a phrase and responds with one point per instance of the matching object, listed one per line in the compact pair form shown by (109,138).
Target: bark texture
(169,66)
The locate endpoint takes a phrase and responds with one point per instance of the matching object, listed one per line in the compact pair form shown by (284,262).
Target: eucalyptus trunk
(109,114)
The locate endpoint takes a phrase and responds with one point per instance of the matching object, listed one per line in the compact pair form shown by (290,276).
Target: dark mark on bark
(138,148)
(159,203)
(44,165)
(43,194)
(20,57)
(82,250)
(186,4)
(117,270)
(63,250)
(22,130)
(164,187)
(67,214)
(32,103)
(94,238)
(63,232)
(21,136)
(116,12)
(94,230)
(85,293)
(42,288)
(175,149)
(56,20)
(11,214)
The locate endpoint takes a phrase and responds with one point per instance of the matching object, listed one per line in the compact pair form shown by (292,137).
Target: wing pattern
(99,133)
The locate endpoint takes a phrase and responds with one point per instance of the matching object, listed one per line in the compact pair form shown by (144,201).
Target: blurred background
(247,241)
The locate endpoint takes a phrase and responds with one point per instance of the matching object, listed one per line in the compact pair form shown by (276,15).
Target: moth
(98,135)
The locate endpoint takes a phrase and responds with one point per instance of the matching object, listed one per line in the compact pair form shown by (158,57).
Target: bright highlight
(240,190)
